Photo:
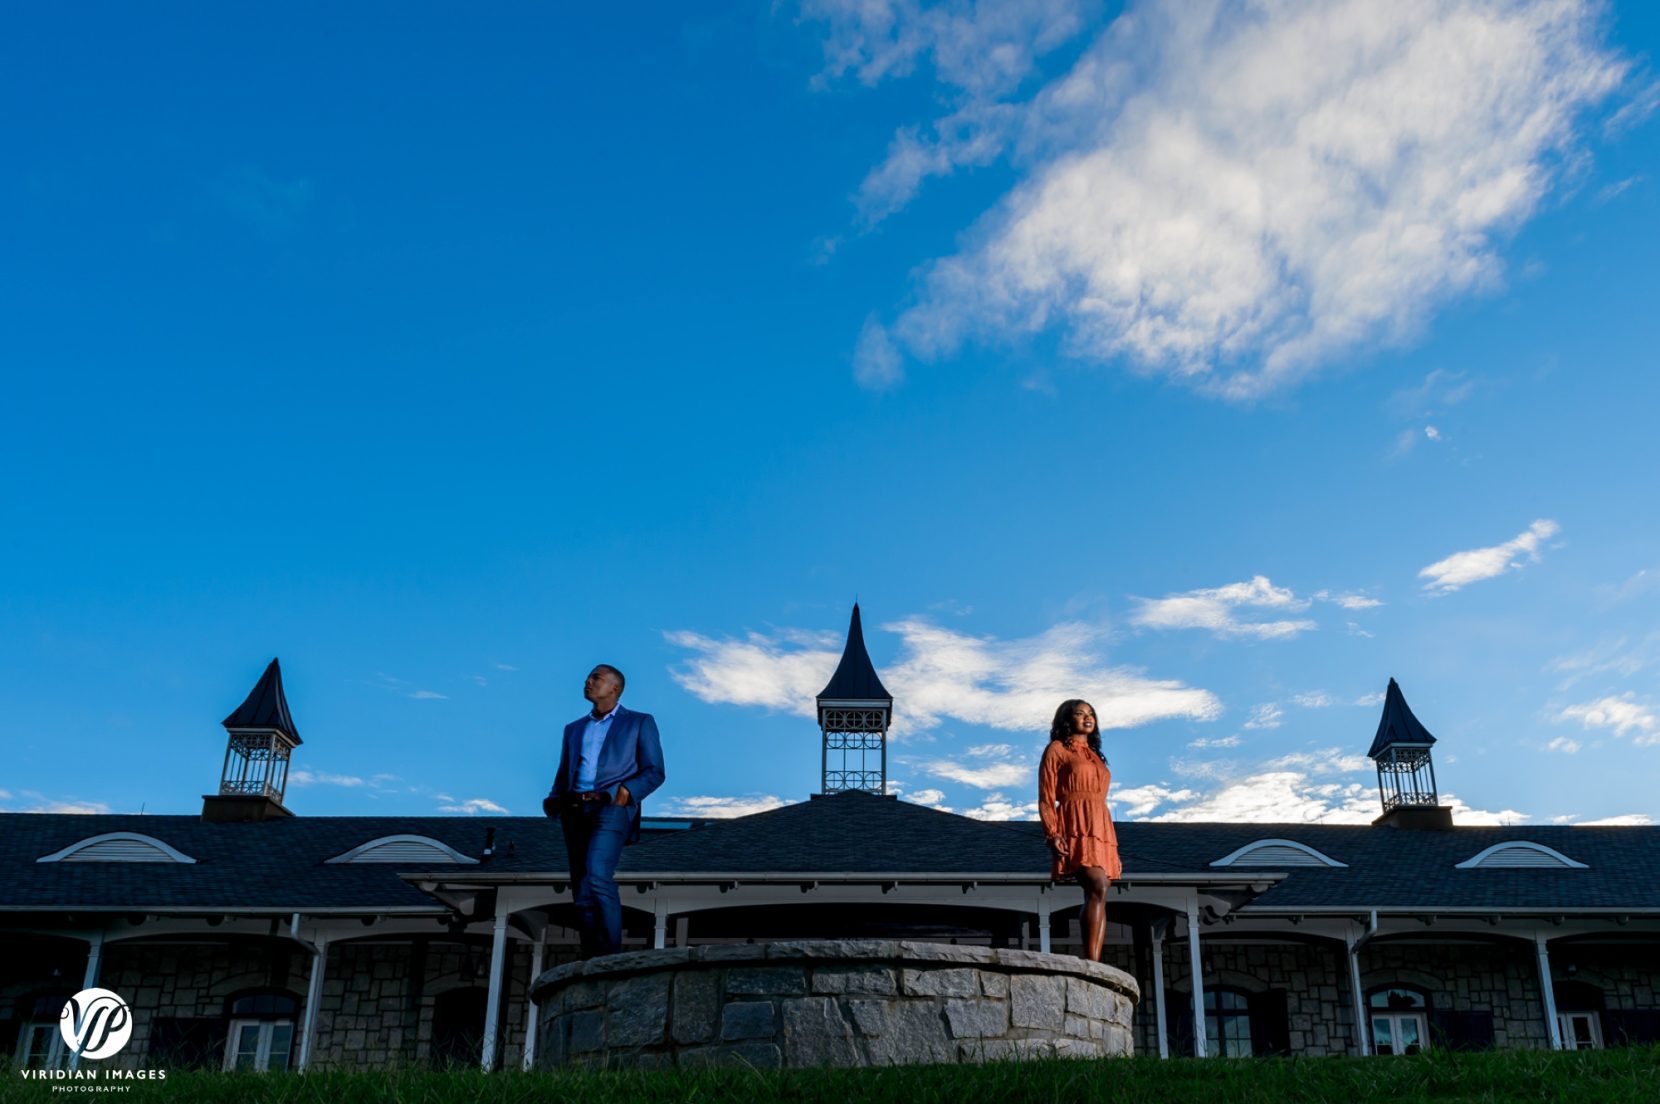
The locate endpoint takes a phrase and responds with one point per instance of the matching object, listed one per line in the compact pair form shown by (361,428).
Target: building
(252,937)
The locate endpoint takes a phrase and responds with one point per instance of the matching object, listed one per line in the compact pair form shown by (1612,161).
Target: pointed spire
(1398,725)
(855,678)
(266,708)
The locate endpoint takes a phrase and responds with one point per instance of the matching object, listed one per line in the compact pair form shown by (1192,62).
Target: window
(1400,1021)
(262,1030)
(1580,1030)
(259,1045)
(39,1042)
(1227,1023)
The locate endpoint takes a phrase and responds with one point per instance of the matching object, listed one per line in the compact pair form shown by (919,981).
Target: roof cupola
(854,710)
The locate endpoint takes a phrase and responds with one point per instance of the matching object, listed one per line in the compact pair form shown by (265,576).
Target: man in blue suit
(610,761)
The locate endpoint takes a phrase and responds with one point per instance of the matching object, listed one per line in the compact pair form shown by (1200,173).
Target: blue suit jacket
(631,756)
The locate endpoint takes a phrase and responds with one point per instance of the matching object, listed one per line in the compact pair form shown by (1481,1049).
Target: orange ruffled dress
(1072,802)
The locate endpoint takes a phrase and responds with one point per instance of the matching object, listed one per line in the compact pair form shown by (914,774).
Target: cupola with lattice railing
(261,739)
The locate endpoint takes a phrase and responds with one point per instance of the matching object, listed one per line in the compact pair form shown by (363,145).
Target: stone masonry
(830,1003)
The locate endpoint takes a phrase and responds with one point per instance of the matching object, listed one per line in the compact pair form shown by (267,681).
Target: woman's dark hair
(1061,727)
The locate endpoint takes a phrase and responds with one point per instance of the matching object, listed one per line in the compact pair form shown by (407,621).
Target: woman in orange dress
(1072,802)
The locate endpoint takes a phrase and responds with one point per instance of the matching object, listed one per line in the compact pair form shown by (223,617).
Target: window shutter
(1636,1027)
(1178,1022)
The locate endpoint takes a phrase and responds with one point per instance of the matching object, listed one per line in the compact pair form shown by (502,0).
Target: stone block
(994,984)
(744,1055)
(695,1007)
(816,1035)
(638,1010)
(836,948)
(953,982)
(914,1032)
(1006,1050)
(762,980)
(947,952)
(976,1019)
(869,1016)
(643,1060)
(583,994)
(1037,1000)
(1077,1026)
(1085,998)
(587,1032)
(864,980)
(748,1020)
(728,952)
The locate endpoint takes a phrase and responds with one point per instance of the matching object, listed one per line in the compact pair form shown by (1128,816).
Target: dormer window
(405,849)
(1277,853)
(1520,855)
(118,847)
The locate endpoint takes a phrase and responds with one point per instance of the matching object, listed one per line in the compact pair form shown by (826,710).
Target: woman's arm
(1049,771)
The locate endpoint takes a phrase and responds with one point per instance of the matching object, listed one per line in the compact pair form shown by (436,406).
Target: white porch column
(1363,1022)
(1043,922)
(492,1007)
(313,996)
(660,926)
(1553,1029)
(532,1011)
(682,931)
(1201,1045)
(1158,993)
(94,959)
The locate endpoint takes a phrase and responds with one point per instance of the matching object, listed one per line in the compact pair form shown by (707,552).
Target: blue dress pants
(594,840)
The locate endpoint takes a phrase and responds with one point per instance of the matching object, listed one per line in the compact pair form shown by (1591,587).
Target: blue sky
(1214,363)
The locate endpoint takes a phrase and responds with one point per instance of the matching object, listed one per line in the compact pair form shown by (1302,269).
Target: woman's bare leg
(1095,883)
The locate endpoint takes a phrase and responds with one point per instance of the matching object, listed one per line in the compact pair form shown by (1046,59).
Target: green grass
(1629,1074)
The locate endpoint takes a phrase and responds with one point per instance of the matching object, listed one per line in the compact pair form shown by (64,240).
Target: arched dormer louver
(407,849)
(1520,855)
(118,847)
(1277,853)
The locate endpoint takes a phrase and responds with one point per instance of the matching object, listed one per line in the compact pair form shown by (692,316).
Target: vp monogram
(96,1023)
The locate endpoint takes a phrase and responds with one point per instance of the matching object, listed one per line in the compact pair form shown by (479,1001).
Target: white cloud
(775,672)
(1314,699)
(1216,609)
(943,674)
(934,799)
(984,778)
(1463,568)
(1322,761)
(1564,745)
(37,802)
(723,807)
(1288,796)
(1135,802)
(505,667)
(429,695)
(1219,742)
(1266,715)
(877,365)
(1625,820)
(472,806)
(1230,194)
(1354,629)
(998,807)
(1348,601)
(1625,715)
(1432,433)
(323,778)
(1370,699)
(991,751)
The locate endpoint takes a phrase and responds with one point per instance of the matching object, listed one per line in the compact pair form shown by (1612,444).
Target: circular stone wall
(829,1003)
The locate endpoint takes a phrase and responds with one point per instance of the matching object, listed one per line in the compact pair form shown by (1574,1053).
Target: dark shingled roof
(855,678)
(281,865)
(851,831)
(1405,868)
(1397,725)
(266,706)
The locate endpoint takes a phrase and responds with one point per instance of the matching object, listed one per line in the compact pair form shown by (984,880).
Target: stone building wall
(1501,977)
(1313,976)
